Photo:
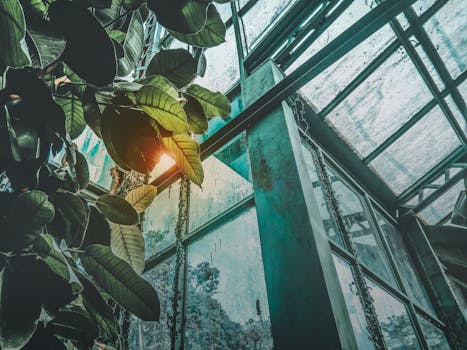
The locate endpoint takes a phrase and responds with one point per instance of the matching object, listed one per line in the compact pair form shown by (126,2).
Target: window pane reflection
(405,264)
(395,322)
(357,223)
(330,226)
(434,336)
(226,305)
(227,181)
(160,220)
(354,306)
(156,335)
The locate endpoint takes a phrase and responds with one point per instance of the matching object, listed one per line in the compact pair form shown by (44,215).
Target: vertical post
(445,300)
(306,303)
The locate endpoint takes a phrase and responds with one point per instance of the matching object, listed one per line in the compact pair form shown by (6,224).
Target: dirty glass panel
(321,90)
(463,89)
(160,220)
(357,222)
(329,224)
(381,104)
(442,206)
(227,181)
(421,6)
(427,62)
(262,16)
(222,70)
(405,264)
(354,306)
(419,149)
(226,300)
(447,29)
(156,335)
(456,112)
(434,336)
(394,320)
(99,161)
(224,10)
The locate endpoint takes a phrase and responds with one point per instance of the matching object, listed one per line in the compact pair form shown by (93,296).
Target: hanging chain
(330,197)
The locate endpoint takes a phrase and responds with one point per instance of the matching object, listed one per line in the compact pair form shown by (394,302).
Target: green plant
(65,259)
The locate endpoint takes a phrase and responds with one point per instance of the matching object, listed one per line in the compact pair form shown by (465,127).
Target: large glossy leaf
(12,33)
(214,104)
(98,229)
(19,304)
(132,46)
(141,197)
(71,219)
(182,16)
(212,34)
(131,4)
(89,51)
(117,209)
(92,113)
(82,171)
(127,243)
(49,42)
(197,121)
(121,282)
(47,249)
(73,108)
(177,65)
(74,324)
(185,151)
(33,205)
(43,339)
(98,309)
(159,105)
(161,82)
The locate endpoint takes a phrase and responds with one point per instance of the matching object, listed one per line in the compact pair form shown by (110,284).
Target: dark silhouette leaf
(117,209)
(177,65)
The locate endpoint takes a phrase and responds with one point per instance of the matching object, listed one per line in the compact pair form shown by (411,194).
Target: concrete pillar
(306,303)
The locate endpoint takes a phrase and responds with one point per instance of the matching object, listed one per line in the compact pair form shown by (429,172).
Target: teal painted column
(306,303)
(445,301)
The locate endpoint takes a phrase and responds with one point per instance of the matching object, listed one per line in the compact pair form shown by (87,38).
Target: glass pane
(321,90)
(222,61)
(262,16)
(434,336)
(329,224)
(422,5)
(99,161)
(357,222)
(224,10)
(442,206)
(226,305)
(427,62)
(160,220)
(354,306)
(405,264)
(381,104)
(457,113)
(156,335)
(394,320)
(419,149)
(447,30)
(227,181)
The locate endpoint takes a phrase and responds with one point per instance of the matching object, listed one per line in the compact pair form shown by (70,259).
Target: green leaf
(214,104)
(12,34)
(197,121)
(82,171)
(74,324)
(43,339)
(117,35)
(212,34)
(73,108)
(177,65)
(71,220)
(161,82)
(184,17)
(131,4)
(19,304)
(185,151)
(33,205)
(49,42)
(121,282)
(141,197)
(162,107)
(46,248)
(117,209)
(132,46)
(127,243)
(98,309)
(98,229)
